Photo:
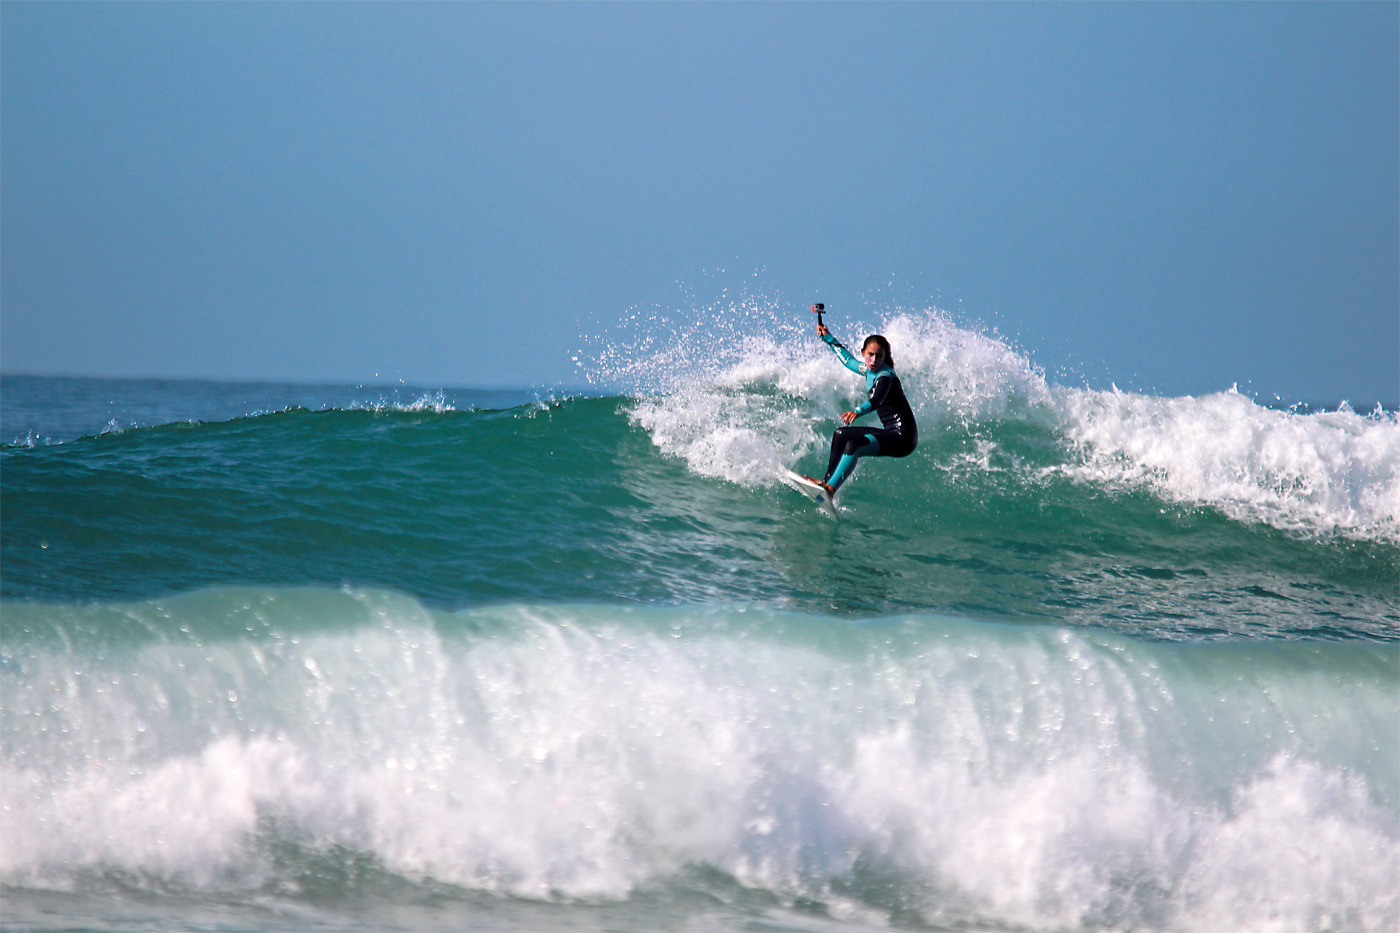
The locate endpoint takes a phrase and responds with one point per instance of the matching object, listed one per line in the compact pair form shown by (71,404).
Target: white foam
(1327,472)
(1272,865)
(188,817)
(1026,776)
(743,409)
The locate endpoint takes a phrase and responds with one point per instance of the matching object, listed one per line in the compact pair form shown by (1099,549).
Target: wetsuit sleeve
(878,393)
(844,355)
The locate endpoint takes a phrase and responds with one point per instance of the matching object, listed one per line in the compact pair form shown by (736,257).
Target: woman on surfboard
(899,434)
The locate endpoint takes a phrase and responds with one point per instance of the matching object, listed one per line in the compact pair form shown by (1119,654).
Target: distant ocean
(281,657)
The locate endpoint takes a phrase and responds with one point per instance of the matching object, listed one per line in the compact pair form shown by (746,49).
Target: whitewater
(335,657)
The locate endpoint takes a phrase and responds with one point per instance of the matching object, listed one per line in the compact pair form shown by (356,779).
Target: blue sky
(1173,197)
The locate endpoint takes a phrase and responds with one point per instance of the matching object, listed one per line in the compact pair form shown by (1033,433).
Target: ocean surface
(279,657)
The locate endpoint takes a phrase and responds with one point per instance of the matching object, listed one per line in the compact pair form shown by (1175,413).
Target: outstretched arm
(845,356)
(848,361)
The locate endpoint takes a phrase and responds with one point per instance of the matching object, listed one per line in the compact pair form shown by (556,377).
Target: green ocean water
(571,501)
(281,657)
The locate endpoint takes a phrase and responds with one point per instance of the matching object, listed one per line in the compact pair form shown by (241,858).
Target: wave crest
(1329,472)
(742,394)
(740,408)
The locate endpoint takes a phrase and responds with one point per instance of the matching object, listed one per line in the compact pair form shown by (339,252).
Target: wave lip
(1316,473)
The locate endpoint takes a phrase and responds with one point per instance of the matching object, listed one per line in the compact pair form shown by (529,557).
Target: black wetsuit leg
(849,440)
(895,443)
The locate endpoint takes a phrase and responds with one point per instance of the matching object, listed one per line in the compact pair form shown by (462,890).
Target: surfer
(899,434)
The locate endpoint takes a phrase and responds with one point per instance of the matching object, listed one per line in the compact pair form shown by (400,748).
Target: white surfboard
(811,490)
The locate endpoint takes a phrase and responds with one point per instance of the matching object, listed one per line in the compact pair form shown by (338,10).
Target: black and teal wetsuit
(897,438)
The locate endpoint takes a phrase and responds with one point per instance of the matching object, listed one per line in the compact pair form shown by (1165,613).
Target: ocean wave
(1327,472)
(741,406)
(970,773)
(55,410)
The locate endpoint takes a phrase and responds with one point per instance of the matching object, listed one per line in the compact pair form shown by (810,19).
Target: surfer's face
(873,354)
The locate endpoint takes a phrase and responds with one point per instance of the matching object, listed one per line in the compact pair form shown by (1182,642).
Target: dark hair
(884,345)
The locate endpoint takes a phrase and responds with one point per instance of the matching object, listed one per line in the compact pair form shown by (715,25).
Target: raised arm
(847,359)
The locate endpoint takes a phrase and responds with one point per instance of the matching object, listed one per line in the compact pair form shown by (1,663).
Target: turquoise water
(290,657)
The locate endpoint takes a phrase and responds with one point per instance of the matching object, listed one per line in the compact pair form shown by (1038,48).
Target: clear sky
(1174,197)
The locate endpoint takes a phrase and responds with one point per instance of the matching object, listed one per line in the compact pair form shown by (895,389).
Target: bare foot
(829,490)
